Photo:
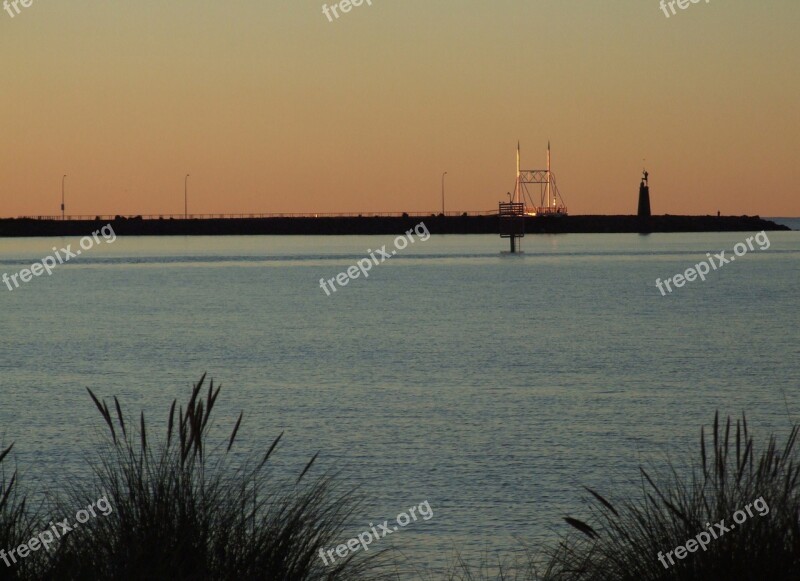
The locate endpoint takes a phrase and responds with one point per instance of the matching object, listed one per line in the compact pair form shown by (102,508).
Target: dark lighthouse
(644,197)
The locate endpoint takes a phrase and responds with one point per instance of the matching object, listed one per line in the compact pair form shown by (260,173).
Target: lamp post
(62,197)
(444,174)
(186,197)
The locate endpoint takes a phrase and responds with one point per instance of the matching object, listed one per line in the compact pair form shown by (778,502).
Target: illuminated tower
(550,202)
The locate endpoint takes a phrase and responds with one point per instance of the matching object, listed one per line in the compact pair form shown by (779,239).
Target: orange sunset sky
(272,108)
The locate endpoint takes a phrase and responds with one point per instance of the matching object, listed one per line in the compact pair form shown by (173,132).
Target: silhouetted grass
(184,510)
(524,566)
(16,522)
(622,539)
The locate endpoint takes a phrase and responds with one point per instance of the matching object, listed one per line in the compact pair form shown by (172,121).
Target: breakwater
(350,225)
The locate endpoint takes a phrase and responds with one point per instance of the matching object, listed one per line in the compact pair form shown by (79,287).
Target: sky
(271,107)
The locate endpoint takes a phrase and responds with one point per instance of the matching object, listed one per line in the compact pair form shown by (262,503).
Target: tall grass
(621,540)
(16,522)
(526,565)
(183,509)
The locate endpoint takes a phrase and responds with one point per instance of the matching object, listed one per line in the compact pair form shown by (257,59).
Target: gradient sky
(272,108)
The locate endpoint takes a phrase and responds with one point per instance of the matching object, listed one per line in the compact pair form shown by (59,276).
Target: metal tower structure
(550,202)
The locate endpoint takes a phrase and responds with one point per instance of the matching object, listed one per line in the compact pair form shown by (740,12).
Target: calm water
(493,387)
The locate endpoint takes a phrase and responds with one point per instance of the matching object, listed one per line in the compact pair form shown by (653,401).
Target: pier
(370,224)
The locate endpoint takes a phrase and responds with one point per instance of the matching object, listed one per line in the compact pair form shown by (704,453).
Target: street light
(186,196)
(444,174)
(62,197)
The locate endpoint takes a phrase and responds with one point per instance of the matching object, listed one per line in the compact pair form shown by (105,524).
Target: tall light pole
(444,174)
(186,196)
(62,197)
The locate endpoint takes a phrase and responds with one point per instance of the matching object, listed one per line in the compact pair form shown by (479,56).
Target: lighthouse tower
(644,196)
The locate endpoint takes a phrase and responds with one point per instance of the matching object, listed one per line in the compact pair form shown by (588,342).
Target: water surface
(493,387)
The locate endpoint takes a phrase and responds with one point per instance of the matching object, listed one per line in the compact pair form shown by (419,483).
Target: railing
(110,218)
(552,210)
(511,209)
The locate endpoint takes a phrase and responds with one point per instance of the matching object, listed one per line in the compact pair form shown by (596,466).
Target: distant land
(380,224)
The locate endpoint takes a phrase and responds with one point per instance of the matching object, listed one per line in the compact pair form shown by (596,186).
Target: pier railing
(111,218)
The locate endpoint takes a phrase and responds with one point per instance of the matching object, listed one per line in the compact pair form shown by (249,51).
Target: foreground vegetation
(622,541)
(625,540)
(183,509)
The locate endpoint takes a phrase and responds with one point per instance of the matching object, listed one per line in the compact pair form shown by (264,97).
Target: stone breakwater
(349,225)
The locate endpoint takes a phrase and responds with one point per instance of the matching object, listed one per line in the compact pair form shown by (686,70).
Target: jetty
(370,224)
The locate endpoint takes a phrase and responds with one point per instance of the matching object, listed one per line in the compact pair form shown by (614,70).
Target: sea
(494,387)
